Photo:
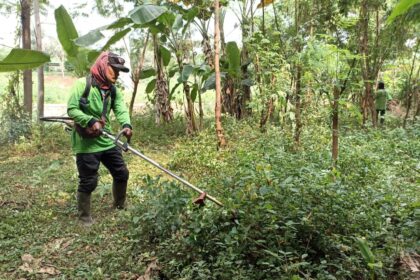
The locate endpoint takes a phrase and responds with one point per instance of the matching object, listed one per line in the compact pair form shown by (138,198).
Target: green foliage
(286,215)
(146,13)
(21,59)
(401,8)
(79,57)
(66,31)
(14,122)
(234,59)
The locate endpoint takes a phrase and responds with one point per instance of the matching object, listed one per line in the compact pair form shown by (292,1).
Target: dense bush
(287,215)
(14,122)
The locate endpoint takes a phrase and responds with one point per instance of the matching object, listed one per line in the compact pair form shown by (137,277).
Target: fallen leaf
(26,267)
(412,263)
(151,270)
(67,244)
(49,270)
(27,258)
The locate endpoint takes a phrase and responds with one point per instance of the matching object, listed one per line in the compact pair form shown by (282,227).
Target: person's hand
(97,128)
(128,133)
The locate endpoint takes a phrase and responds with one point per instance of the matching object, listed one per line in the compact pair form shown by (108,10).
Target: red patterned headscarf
(98,71)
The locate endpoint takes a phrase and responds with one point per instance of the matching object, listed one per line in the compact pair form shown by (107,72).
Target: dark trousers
(88,166)
(382,113)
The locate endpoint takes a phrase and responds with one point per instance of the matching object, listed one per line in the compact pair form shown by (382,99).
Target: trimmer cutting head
(200,200)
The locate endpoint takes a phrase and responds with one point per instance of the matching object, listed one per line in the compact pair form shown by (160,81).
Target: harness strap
(84,102)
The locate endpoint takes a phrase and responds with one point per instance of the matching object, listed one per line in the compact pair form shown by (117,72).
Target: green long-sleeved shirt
(93,112)
(381,98)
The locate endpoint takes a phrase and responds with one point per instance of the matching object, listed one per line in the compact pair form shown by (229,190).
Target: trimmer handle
(123,145)
(120,143)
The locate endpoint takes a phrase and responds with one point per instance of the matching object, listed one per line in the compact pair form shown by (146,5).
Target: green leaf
(167,19)
(173,70)
(186,72)
(173,89)
(401,8)
(120,23)
(178,23)
(116,37)
(92,56)
(191,14)
(210,83)
(66,31)
(234,58)
(146,13)
(147,73)
(166,55)
(247,82)
(194,92)
(90,38)
(23,59)
(365,250)
(375,265)
(151,86)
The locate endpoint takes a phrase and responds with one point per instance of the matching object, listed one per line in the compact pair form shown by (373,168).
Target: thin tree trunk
(298,128)
(335,117)
(266,113)
(335,128)
(298,74)
(208,54)
(410,92)
(222,14)
(263,18)
(189,110)
(200,103)
(38,35)
(218,107)
(417,97)
(368,104)
(137,74)
(192,125)
(26,42)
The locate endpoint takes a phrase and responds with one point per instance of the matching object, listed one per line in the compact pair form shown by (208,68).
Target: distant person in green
(91,101)
(381,99)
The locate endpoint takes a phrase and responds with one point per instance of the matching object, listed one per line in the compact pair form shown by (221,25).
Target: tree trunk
(200,103)
(26,42)
(417,98)
(266,113)
(246,89)
(218,107)
(222,31)
(189,110)
(335,128)
(263,17)
(298,81)
(137,73)
(208,54)
(162,102)
(38,36)
(410,91)
(298,128)
(368,104)
(192,125)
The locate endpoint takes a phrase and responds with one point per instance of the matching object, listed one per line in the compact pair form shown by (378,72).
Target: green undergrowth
(287,214)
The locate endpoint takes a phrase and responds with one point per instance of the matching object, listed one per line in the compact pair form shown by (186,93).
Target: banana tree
(144,16)
(79,57)
(176,35)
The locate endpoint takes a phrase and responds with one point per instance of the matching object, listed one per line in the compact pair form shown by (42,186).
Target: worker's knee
(88,184)
(122,174)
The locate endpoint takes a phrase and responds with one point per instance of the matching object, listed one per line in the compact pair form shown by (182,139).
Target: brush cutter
(125,147)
